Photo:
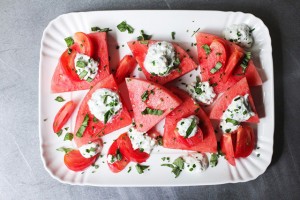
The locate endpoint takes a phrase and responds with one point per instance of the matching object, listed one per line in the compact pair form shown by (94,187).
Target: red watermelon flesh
(187,108)
(62,83)
(222,103)
(139,52)
(97,129)
(159,98)
(235,73)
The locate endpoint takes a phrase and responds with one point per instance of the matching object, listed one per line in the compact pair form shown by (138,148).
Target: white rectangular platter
(160,24)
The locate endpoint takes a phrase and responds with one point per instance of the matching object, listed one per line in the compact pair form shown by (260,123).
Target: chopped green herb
(228,130)
(213,160)
(144,36)
(173,35)
(67,128)
(45,119)
(98,29)
(107,115)
(149,111)
(140,168)
(95,119)
(83,126)
(177,166)
(123,26)
(206,49)
(191,128)
(194,32)
(245,61)
(251,30)
(68,136)
(81,64)
(83,74)
(118,155)
(216,68)
(159,140)
(64,149)
(59,133)
(59,99)
(129,169)
(258,155)
(234,122)
(145,96)
(69,41)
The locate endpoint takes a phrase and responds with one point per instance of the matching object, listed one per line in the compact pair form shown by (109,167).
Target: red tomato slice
(120,164)
(76,162)
(227,148)
(83,44)
(233,60)
(126,149)
(192,141)
(63,116)
(245,141)
(67,62)
(125,67)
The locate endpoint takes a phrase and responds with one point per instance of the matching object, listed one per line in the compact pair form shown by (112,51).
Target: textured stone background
(22,175)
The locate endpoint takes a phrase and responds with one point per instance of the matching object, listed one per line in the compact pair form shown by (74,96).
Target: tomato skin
(245,141)
(125,67)
(227,148)
(233,60)
(68,66)
(192,141)
(83,44)
(120,164)
(63,116)
(76,162)
(127,150)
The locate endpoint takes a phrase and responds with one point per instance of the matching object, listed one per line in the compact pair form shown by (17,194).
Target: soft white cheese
(160,58)
(202,92)
(195,162)
(239,110)
(239,34)
(184,124)
(111,159)
(86,67)
(91,149)
(141,141)
(104,104)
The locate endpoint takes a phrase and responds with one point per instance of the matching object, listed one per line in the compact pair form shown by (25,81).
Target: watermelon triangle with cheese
(221,104)
(150,101)
(139,51)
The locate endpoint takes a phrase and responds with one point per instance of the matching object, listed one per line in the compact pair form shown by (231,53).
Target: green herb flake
(213,160)
(233,121)
(119,155)
(123,26)
(81,64)
(140,168)
(216,68)
(159,140)
(69,41)
(245,61)
(83,126)
(173,35)
(206,49)
(83,74)
(68,136)
(144,36)
(98,29)
(179,162)
(194,32)
(64,149)
(59,99)
(191,128)
(45,119)
(59,132)
(145,96)
(129,170)
(107,115)
(95,119)
(149,111)
(67,128)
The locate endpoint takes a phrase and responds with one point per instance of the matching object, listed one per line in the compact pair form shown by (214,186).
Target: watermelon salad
(210,116)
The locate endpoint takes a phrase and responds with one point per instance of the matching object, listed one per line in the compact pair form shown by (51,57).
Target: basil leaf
(176,62)
(149,111)
(179,162)
(68,136)
(233,121)
(64,149)
(213,160)
(140,168)
(129,169)
(167,165)
(145,96)
(144,36)
(89,79)
(245,61)
(69,41)
(173,35)
(216,68)
(83,126)
(98,29)
(123,26)
(206,49)
(176,171)
(118,155)
(190,128)
(59,99)
(83,74)
(81,64)
(59,133)
(107,115)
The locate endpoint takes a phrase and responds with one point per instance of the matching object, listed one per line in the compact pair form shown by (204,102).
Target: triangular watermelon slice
(221,104)
(232,57)
(96,128)
(140,50)
(187,108)
(151,102)
(62,83)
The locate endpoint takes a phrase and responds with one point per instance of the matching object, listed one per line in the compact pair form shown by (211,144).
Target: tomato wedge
(192,141)
(245,141)
(67,62)
(217,54)
(127,150)
(233,60)
(83,44)
(63,116)
(227,148)
(119,165)
(125,67)
(76,162)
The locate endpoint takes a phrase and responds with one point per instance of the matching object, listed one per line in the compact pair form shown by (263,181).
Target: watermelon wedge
(151,102)
(221,104)
(62,83)
(139,52)
(96,128)
(230,72)
(187,108)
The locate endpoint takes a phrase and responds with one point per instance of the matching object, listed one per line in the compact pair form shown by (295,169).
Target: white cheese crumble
(86,67)
(239,34)
(185,124)
(91,149)
(160,58)
(238,111)
(111,159)
(141,141)
(104,104)
(202,92)
(195,162)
